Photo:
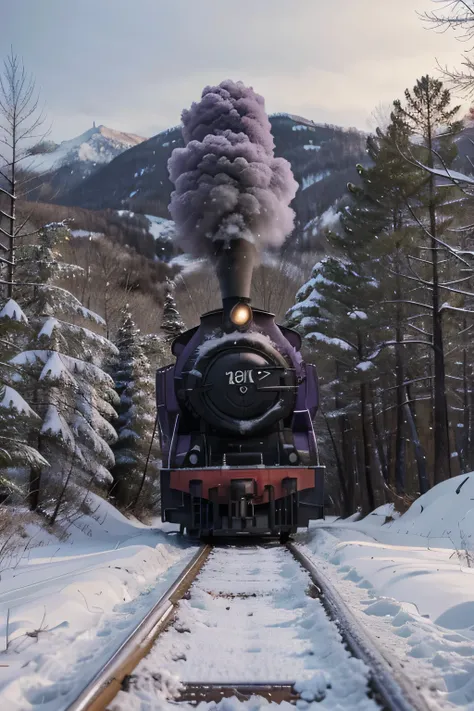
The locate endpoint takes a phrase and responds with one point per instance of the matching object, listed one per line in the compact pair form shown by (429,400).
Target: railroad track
(251,620)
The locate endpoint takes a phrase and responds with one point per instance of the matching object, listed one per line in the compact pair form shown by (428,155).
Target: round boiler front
(240,388)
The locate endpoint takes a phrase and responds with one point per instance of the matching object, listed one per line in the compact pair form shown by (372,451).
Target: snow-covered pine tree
(312,316)
(335,312)
(62,376)
(136,483)
(171,323)
(156,348)
(17,418)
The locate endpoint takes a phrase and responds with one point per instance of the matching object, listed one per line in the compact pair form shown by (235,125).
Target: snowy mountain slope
(158,227)
(323,159)
(465,145)
(160,230)
(98,145)
(73,161)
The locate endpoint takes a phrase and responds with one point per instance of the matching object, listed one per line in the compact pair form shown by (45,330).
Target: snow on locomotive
(236,420)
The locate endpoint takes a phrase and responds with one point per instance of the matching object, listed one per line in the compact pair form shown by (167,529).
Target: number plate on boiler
(241,377)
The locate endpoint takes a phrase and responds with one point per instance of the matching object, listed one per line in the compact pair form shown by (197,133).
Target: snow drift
(229,185)
(67,605)
(410,581)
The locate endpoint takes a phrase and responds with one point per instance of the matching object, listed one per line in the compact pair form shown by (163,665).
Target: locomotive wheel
(284,537)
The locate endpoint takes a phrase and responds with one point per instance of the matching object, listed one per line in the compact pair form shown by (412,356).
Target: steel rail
(388,679)
(106,684)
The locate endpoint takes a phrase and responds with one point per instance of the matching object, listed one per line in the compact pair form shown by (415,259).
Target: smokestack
(234,262)
(232,195)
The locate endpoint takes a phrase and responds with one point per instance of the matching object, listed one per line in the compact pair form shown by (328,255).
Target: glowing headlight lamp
(241,315)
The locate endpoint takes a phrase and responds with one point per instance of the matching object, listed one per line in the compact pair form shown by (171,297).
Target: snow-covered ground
(161,228)
(249,619)
(411,582)
(65,607)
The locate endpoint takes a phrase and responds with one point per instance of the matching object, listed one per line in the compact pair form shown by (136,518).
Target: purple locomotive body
(235,416)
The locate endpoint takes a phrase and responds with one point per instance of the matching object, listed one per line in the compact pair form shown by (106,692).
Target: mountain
(323,159)
(465,145)
(62,167)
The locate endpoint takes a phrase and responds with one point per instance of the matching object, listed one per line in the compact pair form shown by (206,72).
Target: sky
(133,65)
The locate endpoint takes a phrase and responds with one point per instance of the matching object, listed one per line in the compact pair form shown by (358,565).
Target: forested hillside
(322,158)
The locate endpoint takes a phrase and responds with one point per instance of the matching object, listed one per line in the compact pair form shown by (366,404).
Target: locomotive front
(235,414)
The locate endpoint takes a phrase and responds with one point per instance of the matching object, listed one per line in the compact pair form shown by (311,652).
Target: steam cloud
(228,183)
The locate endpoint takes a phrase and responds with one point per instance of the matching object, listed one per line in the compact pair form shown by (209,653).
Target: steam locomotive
(235,417)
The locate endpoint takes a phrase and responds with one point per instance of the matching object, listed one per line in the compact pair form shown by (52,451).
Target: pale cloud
(134,66)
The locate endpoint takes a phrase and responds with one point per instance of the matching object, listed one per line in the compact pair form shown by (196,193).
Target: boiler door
(241,384)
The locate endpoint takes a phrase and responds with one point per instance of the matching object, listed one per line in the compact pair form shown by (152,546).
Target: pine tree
(171,324)
(428,114)
(61,373)
(136,450)
(20,121)
(382,371)
(342,315)
(17,418)
(392,182)
(335,314)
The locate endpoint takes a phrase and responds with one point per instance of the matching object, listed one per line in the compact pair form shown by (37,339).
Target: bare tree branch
(20,120)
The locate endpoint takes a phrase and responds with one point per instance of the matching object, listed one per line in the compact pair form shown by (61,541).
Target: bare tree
(20,121)
(456,15)
(196,293)
(275,283)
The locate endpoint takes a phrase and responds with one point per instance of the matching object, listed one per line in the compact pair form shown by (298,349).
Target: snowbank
(67,606)
(445,513)
(411,580)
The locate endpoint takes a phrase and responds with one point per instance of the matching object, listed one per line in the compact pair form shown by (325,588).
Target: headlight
(241,314)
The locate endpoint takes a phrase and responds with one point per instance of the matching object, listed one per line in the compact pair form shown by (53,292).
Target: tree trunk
(442,462)
(346,503)
(409,409)
(35,477)
(464,450)
(471,426)
(388,435)
(142,482)
(62,494)
(34,488)
(400,448)
(11,245)
(365,453)
(345,438)
(378,439)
